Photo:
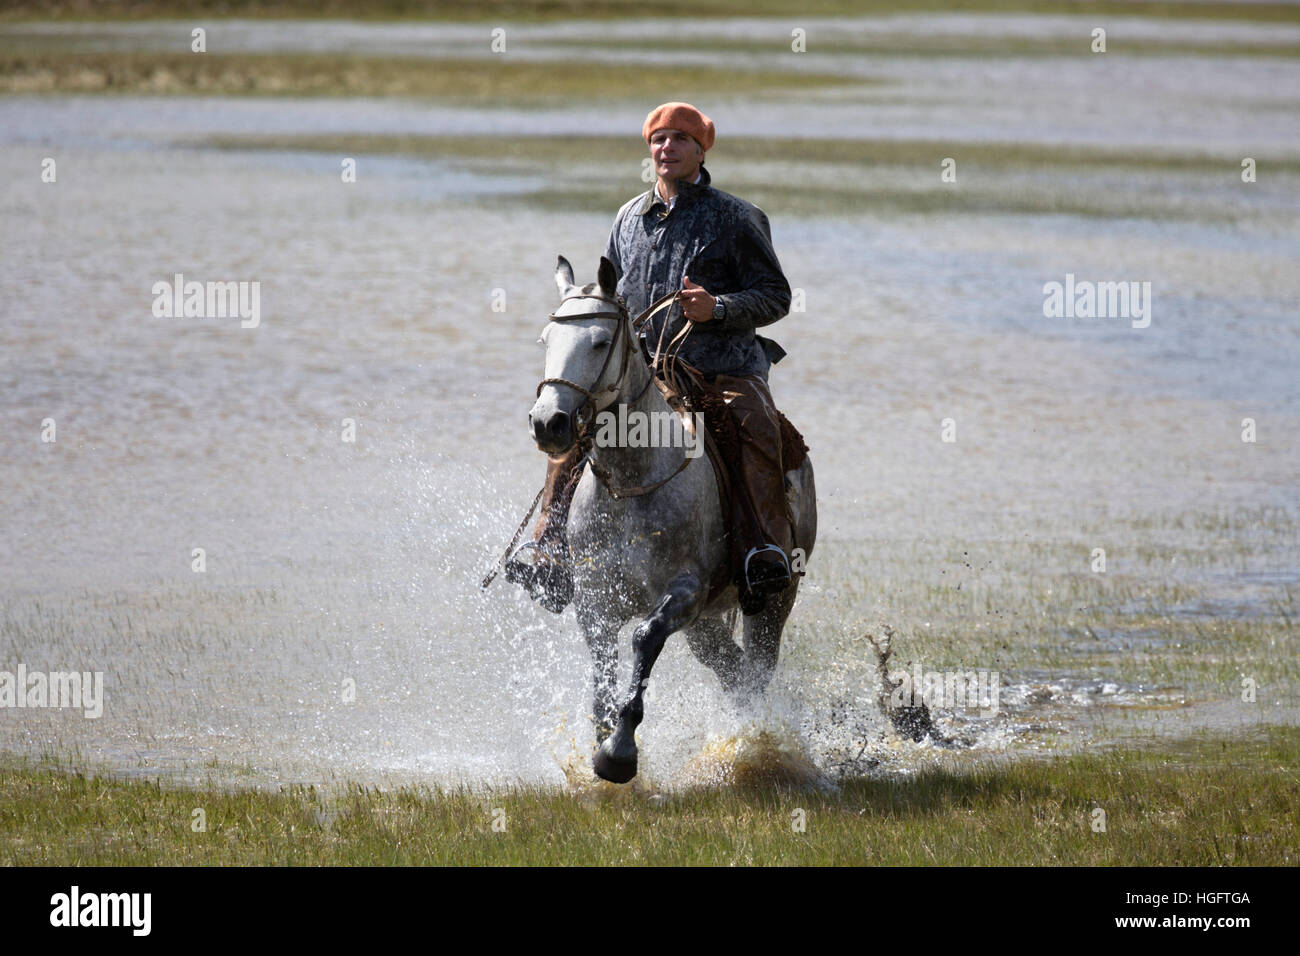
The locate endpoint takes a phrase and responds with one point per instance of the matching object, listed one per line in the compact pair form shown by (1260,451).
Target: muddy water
(337,630)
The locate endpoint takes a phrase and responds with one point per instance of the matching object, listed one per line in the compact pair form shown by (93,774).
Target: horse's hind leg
(763,643)
(711,643)
(615,759)
(601,635)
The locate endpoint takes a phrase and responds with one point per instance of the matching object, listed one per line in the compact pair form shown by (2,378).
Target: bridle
(622,333)
(619,336)
(584,438)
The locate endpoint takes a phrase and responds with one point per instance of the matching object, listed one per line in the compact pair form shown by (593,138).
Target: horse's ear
(563,275)
(607,276)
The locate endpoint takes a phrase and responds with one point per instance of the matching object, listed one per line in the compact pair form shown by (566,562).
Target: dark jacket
(725,245)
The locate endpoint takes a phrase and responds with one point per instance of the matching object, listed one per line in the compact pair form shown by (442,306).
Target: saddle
(687,391)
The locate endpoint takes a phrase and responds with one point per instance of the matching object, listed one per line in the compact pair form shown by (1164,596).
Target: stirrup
(768,576)
(548,581)
(767,579)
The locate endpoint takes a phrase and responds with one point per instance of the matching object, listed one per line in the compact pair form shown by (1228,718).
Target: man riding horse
(717,249)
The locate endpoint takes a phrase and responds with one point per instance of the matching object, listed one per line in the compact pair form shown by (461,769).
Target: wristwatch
(719,309)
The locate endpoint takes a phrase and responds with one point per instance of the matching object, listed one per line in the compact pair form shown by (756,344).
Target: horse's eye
(601,345)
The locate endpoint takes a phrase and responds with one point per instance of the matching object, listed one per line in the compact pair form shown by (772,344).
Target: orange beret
(682,116)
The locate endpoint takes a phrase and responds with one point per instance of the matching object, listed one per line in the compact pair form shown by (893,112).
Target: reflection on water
(337,628)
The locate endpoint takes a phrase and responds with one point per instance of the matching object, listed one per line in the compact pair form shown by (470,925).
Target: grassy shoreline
(542,10)
(1204,800)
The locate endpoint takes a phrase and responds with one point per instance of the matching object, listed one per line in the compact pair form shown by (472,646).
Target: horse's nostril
(558,423)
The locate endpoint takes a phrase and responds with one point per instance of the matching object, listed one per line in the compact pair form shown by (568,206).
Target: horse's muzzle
(553,432)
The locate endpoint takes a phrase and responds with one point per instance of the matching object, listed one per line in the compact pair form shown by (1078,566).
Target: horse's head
(587,348)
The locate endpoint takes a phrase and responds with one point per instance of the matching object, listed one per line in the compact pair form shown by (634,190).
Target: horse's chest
(627,538)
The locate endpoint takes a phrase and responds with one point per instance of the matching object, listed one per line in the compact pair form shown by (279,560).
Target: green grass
(1199,801)
(485,80)
(70,63)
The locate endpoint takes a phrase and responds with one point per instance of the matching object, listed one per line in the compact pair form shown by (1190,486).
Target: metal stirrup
(764,549)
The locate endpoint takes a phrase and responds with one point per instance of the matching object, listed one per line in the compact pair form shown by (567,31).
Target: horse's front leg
(601,634)
(615,759)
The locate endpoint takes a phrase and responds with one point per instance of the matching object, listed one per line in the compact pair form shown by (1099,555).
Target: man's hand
(697,304)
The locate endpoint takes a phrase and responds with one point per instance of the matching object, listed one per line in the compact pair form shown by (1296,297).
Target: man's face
(676,155)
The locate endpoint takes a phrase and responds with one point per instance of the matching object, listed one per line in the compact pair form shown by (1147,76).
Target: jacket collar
(687,192)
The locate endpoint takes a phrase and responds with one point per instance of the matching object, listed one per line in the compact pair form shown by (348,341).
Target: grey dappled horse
(650,555)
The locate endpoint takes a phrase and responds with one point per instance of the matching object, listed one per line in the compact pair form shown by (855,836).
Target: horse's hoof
(612,768)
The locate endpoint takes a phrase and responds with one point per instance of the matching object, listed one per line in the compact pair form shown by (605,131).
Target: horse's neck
(628,465)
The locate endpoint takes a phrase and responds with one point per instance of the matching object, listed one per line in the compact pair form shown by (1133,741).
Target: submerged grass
(921,44)
(550,150)
(822,177)
(1174,617)
(1198,801)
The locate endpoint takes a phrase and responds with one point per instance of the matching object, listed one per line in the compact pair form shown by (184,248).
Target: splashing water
(754,758)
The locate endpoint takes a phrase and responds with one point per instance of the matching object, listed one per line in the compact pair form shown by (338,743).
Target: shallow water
(330,562)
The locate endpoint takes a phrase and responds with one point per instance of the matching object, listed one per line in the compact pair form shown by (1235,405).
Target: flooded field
(337,630)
